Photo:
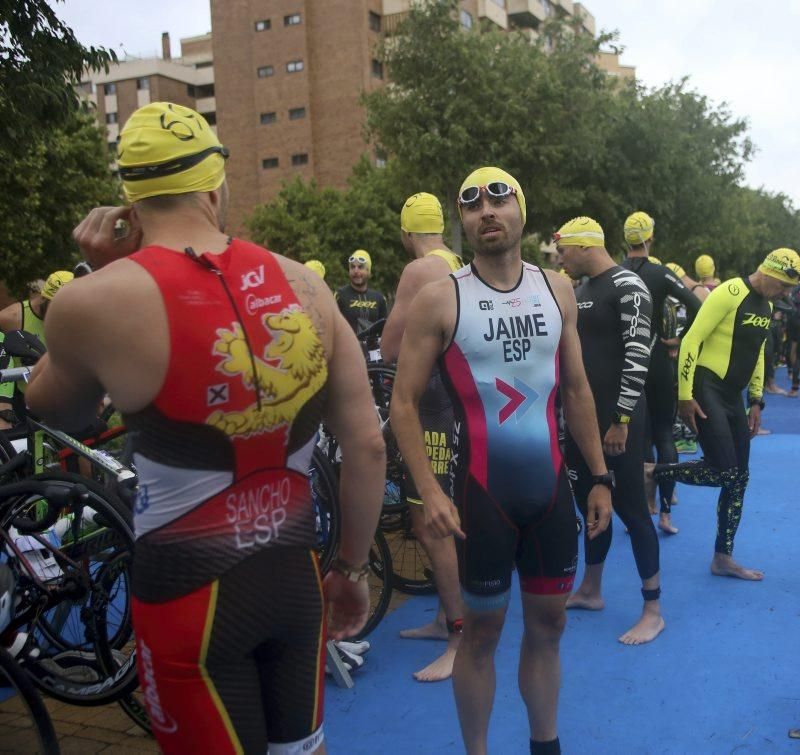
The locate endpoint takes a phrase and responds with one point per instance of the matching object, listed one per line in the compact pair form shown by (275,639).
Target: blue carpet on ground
(724,675)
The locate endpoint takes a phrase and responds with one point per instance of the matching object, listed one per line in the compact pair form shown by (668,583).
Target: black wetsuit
(614,313)
(361,308)
(660,388)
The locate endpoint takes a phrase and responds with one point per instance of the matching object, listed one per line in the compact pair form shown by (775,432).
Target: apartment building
(290,73)
(134,82)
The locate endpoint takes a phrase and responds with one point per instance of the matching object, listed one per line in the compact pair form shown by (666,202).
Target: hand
(348,604)
(754,420)
(598,515)
(687,410)
(673,345)
(441,516)
(97,238)
(615,440)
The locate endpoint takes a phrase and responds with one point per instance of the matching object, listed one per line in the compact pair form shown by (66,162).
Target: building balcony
(206,105)
(493,12)
(526,13)
(587,19)
(390,22)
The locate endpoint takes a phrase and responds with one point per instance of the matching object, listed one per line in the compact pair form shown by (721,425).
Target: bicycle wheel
(325,499)
(80,623)
(18,735)
(412,572)
(380,583)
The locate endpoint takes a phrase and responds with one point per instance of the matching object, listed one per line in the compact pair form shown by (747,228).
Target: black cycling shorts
(543,544)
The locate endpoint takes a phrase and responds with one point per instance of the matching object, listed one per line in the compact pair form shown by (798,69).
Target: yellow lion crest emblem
(300,371)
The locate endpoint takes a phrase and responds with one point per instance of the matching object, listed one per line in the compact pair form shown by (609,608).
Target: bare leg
(474,677)
(723,565)
(588,596)
(650,487)
(651,624)
(442,554)
(539,662)
(665,524)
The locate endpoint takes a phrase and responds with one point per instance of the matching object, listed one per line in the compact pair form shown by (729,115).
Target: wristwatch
(621,419)
(606,479)
(753,401)
(350,572)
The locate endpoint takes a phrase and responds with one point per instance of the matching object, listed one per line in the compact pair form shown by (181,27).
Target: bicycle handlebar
(14,374)
(56,497)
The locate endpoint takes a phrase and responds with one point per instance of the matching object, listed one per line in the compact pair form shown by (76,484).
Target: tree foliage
(40,63)
(48,185)
(579,141)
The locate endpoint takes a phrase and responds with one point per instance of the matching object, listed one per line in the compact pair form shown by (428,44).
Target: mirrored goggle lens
(498,189)
(470,195)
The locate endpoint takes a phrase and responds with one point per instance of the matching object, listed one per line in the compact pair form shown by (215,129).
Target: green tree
(458,100)
(48,185)
(306,222)
(40,63)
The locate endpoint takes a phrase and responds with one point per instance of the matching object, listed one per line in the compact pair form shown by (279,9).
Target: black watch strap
(606,479)
(753,401)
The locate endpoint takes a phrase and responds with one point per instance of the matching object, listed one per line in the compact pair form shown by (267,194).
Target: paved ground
(80,730)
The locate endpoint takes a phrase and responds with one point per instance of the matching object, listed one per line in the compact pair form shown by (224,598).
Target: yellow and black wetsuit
(721,354)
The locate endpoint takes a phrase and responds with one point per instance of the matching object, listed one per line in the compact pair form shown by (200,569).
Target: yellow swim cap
(483,176)
(783,264)
(676,268)
(168,149)
(54,282)
(654,260)
(362,256)
(580,231)
(704,266)
(638,228)
(317,267)
(422,213)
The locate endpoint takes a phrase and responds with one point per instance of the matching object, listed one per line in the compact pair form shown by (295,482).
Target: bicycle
(41,737)
(57,532)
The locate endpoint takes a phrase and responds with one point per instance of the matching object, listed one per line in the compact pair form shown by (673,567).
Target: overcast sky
(742,53)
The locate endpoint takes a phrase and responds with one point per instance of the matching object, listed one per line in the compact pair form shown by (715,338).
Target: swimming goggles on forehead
(357,260)
(470,195)
(786,269)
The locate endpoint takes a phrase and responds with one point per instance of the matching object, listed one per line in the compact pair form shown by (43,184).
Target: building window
(300,159)
(293,66)
(190,90)
(547,7)
(211,118)
(374,21)
(269,162)
(501,3)
(265,71)
(267,118)
(377,69)
(86,87)
(112,149)
(109,89)
(263,25)
(204,90)
(296,113)
(380,160)
(466,19)
(143,83)
(291,20)
(111,118)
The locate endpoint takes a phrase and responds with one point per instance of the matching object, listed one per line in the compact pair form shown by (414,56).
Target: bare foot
(674,501)
(645,630)
(441,668)
(725,566)
(585,602)
(432,631)
(650,487)
(665,524)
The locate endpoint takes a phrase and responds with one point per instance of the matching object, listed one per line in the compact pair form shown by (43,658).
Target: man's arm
(635,311)
(11,317)
(350,414)
(677,290)
(427,331)
(579,409)
(411,281)
(718,304)
(754,393)
(64,389)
